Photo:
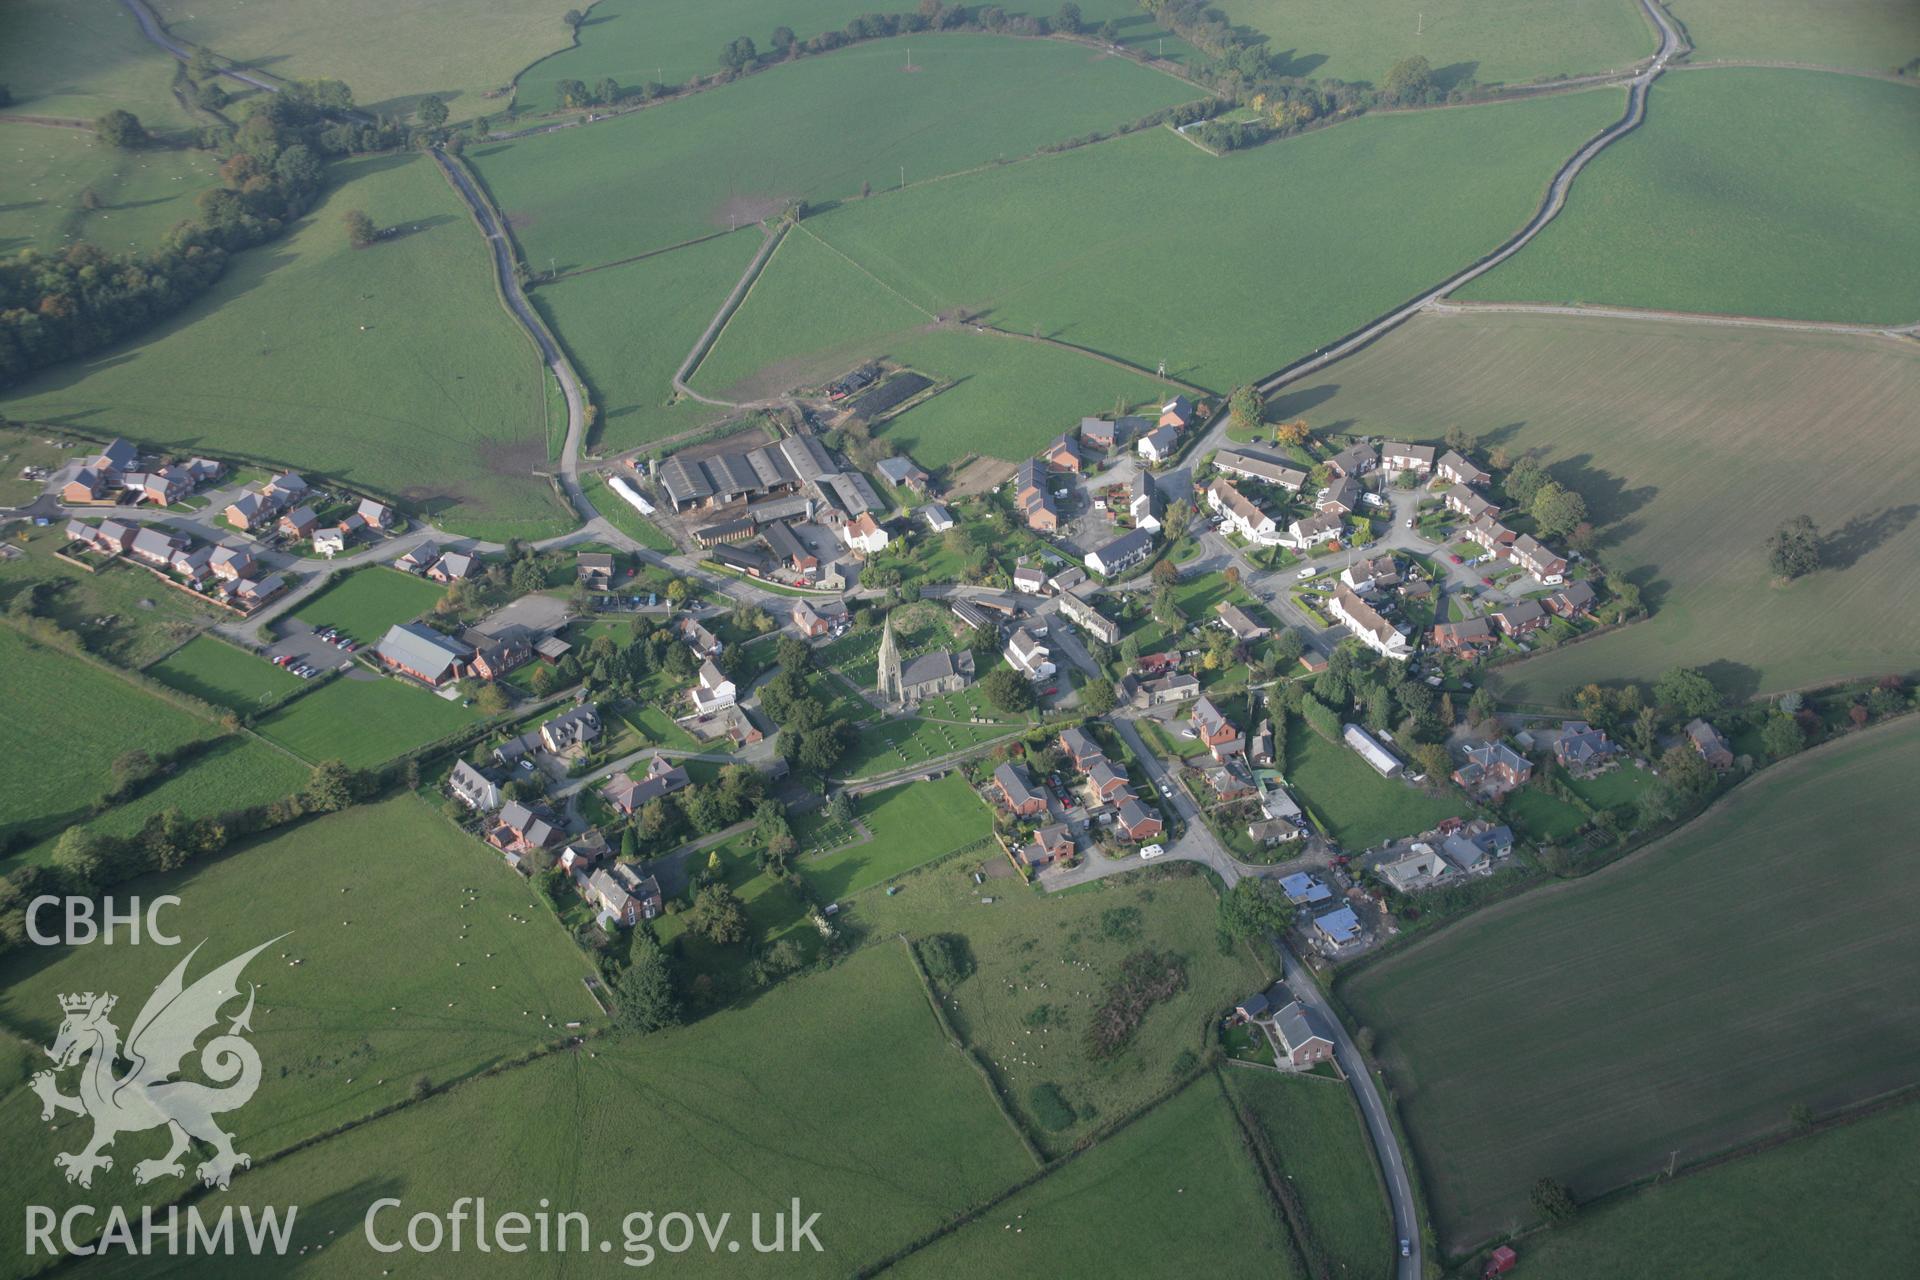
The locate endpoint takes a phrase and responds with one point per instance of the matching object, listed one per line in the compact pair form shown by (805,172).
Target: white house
(329,542)
(1243,515)
(1158,444)
(864,534)
(1315,529)
(1365,622)
(1029,656)
(714,690)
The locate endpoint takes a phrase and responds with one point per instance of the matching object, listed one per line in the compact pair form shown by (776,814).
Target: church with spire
(906,684)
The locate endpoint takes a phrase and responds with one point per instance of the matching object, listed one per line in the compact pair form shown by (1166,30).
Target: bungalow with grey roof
(1120,554)
(1267,468)
(938,518)
(1237,620)
(630,795)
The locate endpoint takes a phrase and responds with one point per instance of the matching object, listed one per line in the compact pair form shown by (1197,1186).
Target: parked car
(1455,559)
(1486,582)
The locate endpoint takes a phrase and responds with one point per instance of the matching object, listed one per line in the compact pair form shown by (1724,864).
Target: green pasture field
(1008,397)
(238,771)
(1869,35)
(756,1104)
(125,614)
(1044,246)
(364,722)
(444,409)
(674,41)
(1173,1192)
(390,54)
(746,360)
(811,131)
(1682,438)
(1748,191)
(222,674)
(1712,962)
(1033,950)
(47,171)
(1510,41)
(1360,808)
(1315,1130)
(99,716)
(366,602)
(349,1029)
(911,824)
(79,59)
(629,327)
(1748,1218)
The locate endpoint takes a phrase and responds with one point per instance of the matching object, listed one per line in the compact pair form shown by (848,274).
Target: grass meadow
(391,54)
(1869,35)
(1682,1000)
(222,674)
(1041,963)
(837,1088)
(421,954)
(48,171)
(124,613)
(1683,439)
(366,602)
(1747,1218)
(1359,808)
(363,721)
(1511,41)
(1047,246)
(98,717)
(629,327)
(911,825)
(1314,1127)
(1175,1185)
(812,131)
(674,41)
(1747,191)
(79,59)
(444,408)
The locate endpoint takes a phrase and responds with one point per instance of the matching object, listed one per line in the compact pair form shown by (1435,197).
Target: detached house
(1493,769)
(1575,600)
(520,828)
(1315,529)
(1029,656)
(622,893)
(1107,779)
(1136,822)
(1217,734)
(1050,844)
(1017,791)
(1469,638)
(1081,749)
(1062,455)
(454,566)
(714,689)
(246,511)
(1371,574)
(1177,413)
(1304,1037)
(1581,748)
(1521,618)
(630,795)
(864,534)
(473,788)
(1143,501)
(817,617)
(594,570)
(1158,445)
(1713,747)
(1238,621)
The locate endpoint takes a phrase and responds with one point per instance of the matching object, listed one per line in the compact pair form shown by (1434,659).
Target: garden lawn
(444,409)
(628,328)
(390,54)
(1173,1192)
(141,194)
(911,825)
(1507,41)
(1044,245)
(366,602)
(1685,440)
(224,675)
(659,728)
(79,59)
(99,717)
(1618,788)
(363,721)
(1315,1131)
(448,966)
(811,131)
(1703,963)
(1359,807)
(1749,191)
(754,1103)
(1042,963)
(1540,816)
(1870,35)
(1749,1218)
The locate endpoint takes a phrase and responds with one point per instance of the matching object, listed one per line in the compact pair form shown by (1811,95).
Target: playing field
(1507,41)
(100,718)
(79,59)
(811,131)
(1306,234)
(629,327)
(139,195)
(1315,1131)
(1747,1219)
(224,675)
(1682,1000)
(390,54)
(756,1105)
(1160,1194)
(1359,807)
(1683,440)
(366,602)
(1749,192)
(444,406)
(363,720)
(483,975)
(1871,35)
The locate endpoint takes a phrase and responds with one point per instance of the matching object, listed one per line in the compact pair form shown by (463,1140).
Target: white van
(1153,851)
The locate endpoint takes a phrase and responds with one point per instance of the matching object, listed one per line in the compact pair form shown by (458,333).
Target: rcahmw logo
(145,1095)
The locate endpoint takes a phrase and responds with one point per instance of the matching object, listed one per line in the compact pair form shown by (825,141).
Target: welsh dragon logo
(145,1096)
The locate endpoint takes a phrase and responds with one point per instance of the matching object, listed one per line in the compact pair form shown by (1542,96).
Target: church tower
(890,685)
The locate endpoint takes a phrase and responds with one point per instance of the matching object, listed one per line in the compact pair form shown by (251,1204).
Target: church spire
(889,661)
